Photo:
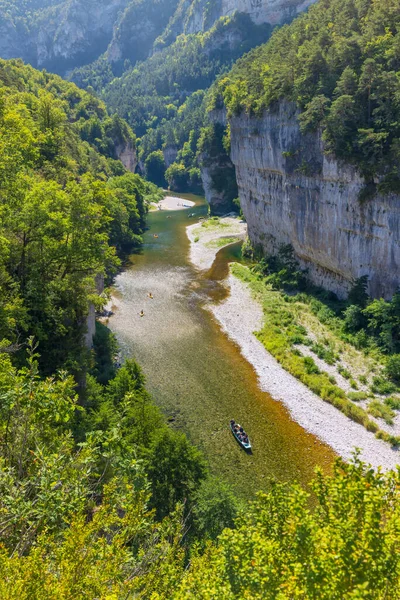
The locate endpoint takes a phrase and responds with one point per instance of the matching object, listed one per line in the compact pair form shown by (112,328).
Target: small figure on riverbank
(142,313)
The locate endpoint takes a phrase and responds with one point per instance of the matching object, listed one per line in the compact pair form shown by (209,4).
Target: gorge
(199,224)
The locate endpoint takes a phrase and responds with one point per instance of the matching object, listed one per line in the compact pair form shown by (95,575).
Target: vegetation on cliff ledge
(340,63)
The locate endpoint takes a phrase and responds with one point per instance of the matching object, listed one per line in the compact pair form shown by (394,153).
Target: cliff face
(126,153)
(267,11)
(292,193)
(73,33)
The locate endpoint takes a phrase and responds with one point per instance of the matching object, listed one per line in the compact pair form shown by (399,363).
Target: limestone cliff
(267,11)
(193,16)
(126,153)
(291,192)
(65,34)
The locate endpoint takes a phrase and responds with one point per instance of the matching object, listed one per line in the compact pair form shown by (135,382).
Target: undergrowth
(281,333)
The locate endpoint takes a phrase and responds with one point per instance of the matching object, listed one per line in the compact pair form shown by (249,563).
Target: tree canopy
(340,63)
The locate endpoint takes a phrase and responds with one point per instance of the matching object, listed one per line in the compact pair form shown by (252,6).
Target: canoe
(245,446)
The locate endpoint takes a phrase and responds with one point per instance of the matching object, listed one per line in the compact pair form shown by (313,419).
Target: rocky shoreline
(240,316)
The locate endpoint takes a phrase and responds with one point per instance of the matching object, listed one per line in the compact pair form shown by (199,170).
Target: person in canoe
(142,313)
(155,235)
(151,296)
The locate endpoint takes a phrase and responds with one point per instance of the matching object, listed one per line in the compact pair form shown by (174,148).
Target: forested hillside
(162,98)
(99,497)
(68,208)
(340,63)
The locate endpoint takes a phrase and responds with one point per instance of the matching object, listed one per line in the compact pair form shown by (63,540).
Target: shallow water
(195,373)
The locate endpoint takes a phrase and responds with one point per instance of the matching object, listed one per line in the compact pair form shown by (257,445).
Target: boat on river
(240,436)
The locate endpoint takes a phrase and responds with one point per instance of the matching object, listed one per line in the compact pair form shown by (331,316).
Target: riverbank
(172,203)
(209,236)
(240,316)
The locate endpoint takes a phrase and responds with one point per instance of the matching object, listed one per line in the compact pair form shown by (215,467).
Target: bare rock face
(75,32)
(127,155)
(267,11)
(292,193)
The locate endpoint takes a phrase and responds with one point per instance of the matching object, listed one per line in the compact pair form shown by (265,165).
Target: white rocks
(266,11)
(292,193)
(240,316)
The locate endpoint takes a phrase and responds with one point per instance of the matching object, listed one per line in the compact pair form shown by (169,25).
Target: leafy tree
(155,168)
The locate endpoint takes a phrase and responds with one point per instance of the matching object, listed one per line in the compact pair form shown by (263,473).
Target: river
(194,372)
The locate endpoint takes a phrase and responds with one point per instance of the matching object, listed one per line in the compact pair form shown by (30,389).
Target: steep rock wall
(267,11)
(292,193)
(126,153)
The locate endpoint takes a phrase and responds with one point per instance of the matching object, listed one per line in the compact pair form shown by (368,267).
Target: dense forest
(162,98)
(339,62)
(68,209)
(99,496)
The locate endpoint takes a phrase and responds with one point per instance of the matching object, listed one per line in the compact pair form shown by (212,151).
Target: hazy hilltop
(71,33)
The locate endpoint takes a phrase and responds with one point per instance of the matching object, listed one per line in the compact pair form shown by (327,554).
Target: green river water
(194,372)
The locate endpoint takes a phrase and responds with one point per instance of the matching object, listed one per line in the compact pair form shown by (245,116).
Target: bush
(381,411)
(382,386)
(215,508)
(344,372)
(393,403)
(357,396)
(310,366)
(393,368)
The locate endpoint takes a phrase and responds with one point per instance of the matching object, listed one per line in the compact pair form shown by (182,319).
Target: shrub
(357,396)
(382,386)
(381,411)
(310,366)
(393,403)
(393,368)
(344,372)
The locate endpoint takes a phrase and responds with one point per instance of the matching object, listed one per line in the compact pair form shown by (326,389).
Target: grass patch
(215,223)
(282,328)
(393,403)
(381,411)
(357,396)
(344,372)
(383,386)
(325,354)
(221,241)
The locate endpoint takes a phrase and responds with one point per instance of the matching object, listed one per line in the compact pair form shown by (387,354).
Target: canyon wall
(291,192)
(267,11)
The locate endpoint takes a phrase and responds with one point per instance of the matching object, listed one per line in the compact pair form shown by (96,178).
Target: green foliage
(68,209)
(155,168)
(382,411)
(339,63)
(357,396)
(215,508)
(282,271)
(105,349)
(175,469)
(281,330)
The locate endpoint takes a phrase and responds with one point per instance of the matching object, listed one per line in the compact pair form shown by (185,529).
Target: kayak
(245,445)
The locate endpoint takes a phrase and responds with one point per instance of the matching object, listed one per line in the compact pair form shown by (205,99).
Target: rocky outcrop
(126,153)
(73,33)
(267,11)
(217,170)
(291,192)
